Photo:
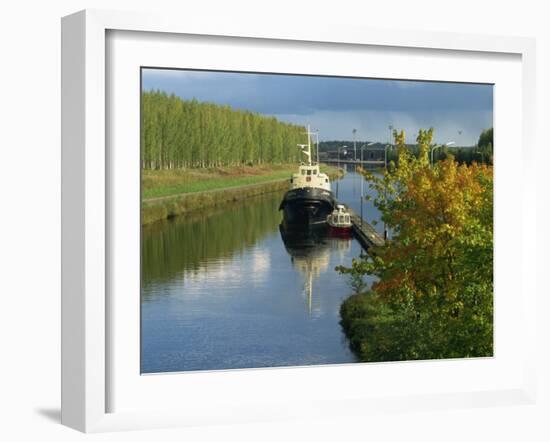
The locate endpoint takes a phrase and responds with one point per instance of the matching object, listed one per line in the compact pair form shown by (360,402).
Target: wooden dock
(364,232)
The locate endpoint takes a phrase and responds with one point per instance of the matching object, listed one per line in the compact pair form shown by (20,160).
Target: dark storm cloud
(286,94)
(458,111)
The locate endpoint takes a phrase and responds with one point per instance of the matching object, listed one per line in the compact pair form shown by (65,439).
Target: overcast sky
(335,106)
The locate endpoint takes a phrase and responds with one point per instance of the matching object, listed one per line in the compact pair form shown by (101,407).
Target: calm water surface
(228,288)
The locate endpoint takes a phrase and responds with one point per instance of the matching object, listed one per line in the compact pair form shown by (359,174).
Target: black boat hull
(307,206)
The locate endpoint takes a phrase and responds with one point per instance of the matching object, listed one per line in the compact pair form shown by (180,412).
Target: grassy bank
(160,183)
(169,193)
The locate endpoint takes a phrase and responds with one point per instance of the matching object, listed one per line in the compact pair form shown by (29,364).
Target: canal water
(228,288)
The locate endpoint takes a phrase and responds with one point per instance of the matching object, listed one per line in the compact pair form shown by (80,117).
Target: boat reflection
(310,249)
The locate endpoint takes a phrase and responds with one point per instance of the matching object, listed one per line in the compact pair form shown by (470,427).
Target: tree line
(178,133)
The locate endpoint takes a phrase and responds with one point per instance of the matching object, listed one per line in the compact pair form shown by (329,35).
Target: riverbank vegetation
(434,292)
(191,203)
(160,183)
(197,155)
(168,193)
(179,133)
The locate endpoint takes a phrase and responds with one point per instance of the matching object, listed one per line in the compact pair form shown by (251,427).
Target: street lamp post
(390,127)
(385,170)
(345,152)
(316,133)
(338,181)
(386,155)
(363,179)
(385,190)
(362,147)
(390,145)
(338,167)
(354,146)
(439,145)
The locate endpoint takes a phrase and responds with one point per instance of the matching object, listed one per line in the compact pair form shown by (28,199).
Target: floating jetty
(364,232)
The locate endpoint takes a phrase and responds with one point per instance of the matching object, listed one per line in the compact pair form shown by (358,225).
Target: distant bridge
(364,162)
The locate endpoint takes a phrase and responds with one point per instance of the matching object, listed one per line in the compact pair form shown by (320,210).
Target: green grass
(211,184)
(161,183)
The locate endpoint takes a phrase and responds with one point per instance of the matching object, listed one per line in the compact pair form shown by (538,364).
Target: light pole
(354,131)
(363,179)
(450,143)
(385,190)
(363,146)
(338,181)
(316,133)
(340,147)
(390,127)
(386,155)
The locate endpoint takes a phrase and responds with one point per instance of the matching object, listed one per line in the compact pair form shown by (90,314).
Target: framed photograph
(264,224)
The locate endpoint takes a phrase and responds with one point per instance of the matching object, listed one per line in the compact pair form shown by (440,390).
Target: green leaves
(180,133)
(435,275)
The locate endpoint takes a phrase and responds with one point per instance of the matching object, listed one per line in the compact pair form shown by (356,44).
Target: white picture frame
(87,202)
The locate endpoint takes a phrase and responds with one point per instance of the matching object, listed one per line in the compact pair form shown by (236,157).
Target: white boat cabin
(340,217)
(309,176)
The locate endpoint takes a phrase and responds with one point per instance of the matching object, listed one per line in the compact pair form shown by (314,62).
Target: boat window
(326,180)
(303,172)
(309,172)
(341,219)
(314,171)
(347,218)
(291,180)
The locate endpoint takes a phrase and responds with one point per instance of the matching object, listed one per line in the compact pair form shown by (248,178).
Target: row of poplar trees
(179,133)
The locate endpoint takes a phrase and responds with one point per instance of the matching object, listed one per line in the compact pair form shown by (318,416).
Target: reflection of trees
(190,241)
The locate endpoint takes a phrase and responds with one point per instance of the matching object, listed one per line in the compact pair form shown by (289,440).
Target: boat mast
(308,145)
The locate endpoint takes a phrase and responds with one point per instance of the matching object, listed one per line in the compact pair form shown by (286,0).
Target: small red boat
(339,222)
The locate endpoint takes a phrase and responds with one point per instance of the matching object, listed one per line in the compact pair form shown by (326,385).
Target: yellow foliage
(434,289)
(439,209)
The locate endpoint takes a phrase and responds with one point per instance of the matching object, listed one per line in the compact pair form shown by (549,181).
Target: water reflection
(310,251)
(189,244)
(230,288)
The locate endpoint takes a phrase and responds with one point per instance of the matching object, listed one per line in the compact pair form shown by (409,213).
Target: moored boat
(339,222)
(309,199)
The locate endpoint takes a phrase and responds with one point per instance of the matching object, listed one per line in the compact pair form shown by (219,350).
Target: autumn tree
(433,295)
